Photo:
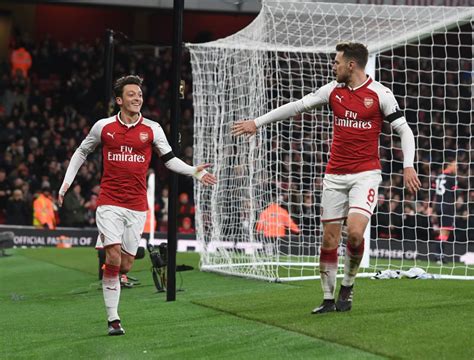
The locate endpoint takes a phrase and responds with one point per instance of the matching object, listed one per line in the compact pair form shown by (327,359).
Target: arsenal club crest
(143,136)
(368,102)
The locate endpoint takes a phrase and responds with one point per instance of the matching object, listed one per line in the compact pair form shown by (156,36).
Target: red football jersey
(357,121)
(126,151)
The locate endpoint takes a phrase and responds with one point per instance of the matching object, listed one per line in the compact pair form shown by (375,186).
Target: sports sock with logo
(328,271)
(351,263)
(111,290)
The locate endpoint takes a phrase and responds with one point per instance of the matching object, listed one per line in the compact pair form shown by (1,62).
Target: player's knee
(330,240)
(112,256)
(355,238)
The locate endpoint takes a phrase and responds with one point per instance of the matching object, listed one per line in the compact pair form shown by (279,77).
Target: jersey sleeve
(87,146)
(392,113)
(92,139)
(318,98)
(160,141)
(311,101)
(389,106)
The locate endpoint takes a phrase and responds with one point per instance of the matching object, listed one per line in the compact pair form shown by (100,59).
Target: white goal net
(424,54)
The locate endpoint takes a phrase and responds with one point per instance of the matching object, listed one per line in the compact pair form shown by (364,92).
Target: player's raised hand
(206,179)
(411,179)
(244,127)
(61,194)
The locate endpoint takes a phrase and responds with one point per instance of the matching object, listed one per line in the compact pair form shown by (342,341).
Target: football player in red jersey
(353,173)
(127,141)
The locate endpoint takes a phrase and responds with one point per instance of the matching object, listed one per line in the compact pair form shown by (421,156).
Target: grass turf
(50,307)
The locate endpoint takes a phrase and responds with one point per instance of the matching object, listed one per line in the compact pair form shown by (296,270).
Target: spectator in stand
(395,210)
(21,61)
(8,134)
(91,206)
(185,207)
(382,219)
(186,226)
(409,222)
(162,212)
(44,216)
(54,174)
(27,195)
(5,192)
(188,154)
(73,212)
(423,213)
(18,210)
(309,216)
(275,221)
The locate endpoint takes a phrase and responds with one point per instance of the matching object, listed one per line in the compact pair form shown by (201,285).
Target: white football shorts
(344,194)
(118,225)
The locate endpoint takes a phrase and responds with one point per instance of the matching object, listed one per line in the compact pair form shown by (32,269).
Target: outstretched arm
(160,142)
(408,148)
(80,155)
(309,102)
(198,172)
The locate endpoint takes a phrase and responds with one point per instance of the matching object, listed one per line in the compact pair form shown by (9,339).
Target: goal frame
(242,41)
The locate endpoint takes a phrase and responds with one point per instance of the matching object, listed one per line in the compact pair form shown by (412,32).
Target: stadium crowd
(48,109)
(48,106)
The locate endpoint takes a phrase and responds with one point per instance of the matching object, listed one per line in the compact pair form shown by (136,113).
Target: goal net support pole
(365,262)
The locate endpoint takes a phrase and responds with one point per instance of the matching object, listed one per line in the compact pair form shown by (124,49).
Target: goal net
(424,54)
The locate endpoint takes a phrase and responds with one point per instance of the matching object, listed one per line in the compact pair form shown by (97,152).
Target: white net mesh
(422,53)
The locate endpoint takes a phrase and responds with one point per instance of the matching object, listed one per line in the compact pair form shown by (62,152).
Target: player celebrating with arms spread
(127,142)
(353,174)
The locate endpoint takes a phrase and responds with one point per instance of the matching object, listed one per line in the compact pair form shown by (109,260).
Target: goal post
(423,54)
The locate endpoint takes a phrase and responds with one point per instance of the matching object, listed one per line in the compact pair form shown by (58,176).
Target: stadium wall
(29,236)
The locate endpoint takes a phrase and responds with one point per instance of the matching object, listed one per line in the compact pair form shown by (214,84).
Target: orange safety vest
(43,212)
(21,59)
(274,221)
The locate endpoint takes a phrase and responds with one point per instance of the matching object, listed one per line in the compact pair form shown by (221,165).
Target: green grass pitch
(51,308)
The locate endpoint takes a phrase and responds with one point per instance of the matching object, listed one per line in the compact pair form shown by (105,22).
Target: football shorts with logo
(351,193)
(118,225)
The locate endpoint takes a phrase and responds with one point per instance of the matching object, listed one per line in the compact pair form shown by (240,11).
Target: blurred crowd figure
(50,95)
(275,222)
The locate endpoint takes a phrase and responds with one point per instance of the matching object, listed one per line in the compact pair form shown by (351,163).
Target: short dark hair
(354,51)
(126,80)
